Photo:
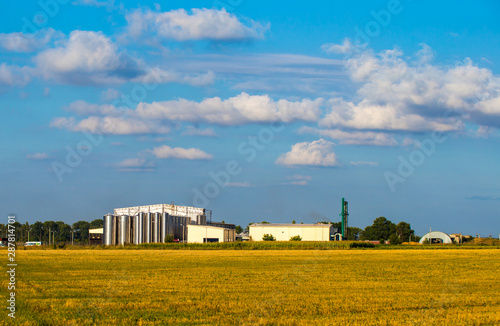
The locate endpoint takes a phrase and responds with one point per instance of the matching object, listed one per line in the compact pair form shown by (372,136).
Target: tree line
(59,231)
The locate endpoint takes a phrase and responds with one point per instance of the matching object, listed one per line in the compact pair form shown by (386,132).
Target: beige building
(207,233)
(283,232)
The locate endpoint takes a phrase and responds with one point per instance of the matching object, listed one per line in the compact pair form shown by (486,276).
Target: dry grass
(272,287)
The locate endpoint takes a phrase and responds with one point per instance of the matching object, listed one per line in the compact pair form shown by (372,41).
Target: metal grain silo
(108,230)
(147,227)
(138,231)
(157,227)
(164,227)
(123,230)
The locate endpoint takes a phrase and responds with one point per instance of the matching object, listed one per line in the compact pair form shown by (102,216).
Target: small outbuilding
(283,232)
(436,237)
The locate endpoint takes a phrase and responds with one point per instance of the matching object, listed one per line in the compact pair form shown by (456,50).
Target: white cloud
(38,156)
(131,163)
(110,125)
(91,58)
(160,76)
(84,108)
(299,180)
(181,153)
(192,131)
(109,95)
(88,58)
(317,153)
(24,43)
(134,165)
(344,48)
(238,110)
(198,24)
(353,137)
(395,94)
(357,163)
(15,75)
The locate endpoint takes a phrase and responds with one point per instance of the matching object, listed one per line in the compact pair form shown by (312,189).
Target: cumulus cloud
(87,58)
(11,75)
(353,137)
(91,58)
(317,153)
(181,153)
(156,117)
(37,156)
(25,43)
(344,48)
(198,24)
(395,94)
(110,125)
(238,110)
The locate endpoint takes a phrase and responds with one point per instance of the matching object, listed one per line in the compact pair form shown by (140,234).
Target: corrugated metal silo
(138,231)
(164,227)
(147,227)
(123,230)
(108,230)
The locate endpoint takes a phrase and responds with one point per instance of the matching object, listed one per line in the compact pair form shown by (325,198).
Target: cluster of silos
(143,228)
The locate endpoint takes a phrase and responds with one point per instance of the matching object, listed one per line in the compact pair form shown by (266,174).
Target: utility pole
(49,236)
(72,237)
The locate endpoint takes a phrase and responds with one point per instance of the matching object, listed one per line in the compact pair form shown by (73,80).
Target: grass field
(271,287)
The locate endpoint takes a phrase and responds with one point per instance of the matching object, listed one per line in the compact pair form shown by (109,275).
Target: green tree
(268,237)
(97,223)
(293,221)
(381,228)
(404,231)
(81,229)
(296,238)
(238,229)
(394,239)
(353,233)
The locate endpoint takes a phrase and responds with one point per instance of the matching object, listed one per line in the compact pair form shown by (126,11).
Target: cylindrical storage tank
(164,227)
(147,227)
(138,232)
(123,230)
(157,227)
(108,230)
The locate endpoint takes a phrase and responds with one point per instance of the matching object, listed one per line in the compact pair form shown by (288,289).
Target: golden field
(259,287)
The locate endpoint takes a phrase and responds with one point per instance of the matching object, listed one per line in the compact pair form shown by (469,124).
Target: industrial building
(95,236)
(208,233)
(153,223)
(283,232)
(436,237)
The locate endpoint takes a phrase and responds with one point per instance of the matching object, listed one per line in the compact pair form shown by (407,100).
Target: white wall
(197,233)
(314,232)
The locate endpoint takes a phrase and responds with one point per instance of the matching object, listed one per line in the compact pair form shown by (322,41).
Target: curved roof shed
(436,237)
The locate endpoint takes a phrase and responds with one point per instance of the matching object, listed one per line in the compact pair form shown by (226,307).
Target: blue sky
(257,110)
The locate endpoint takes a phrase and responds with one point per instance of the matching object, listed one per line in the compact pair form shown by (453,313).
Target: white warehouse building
(208,233)
(283,232)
